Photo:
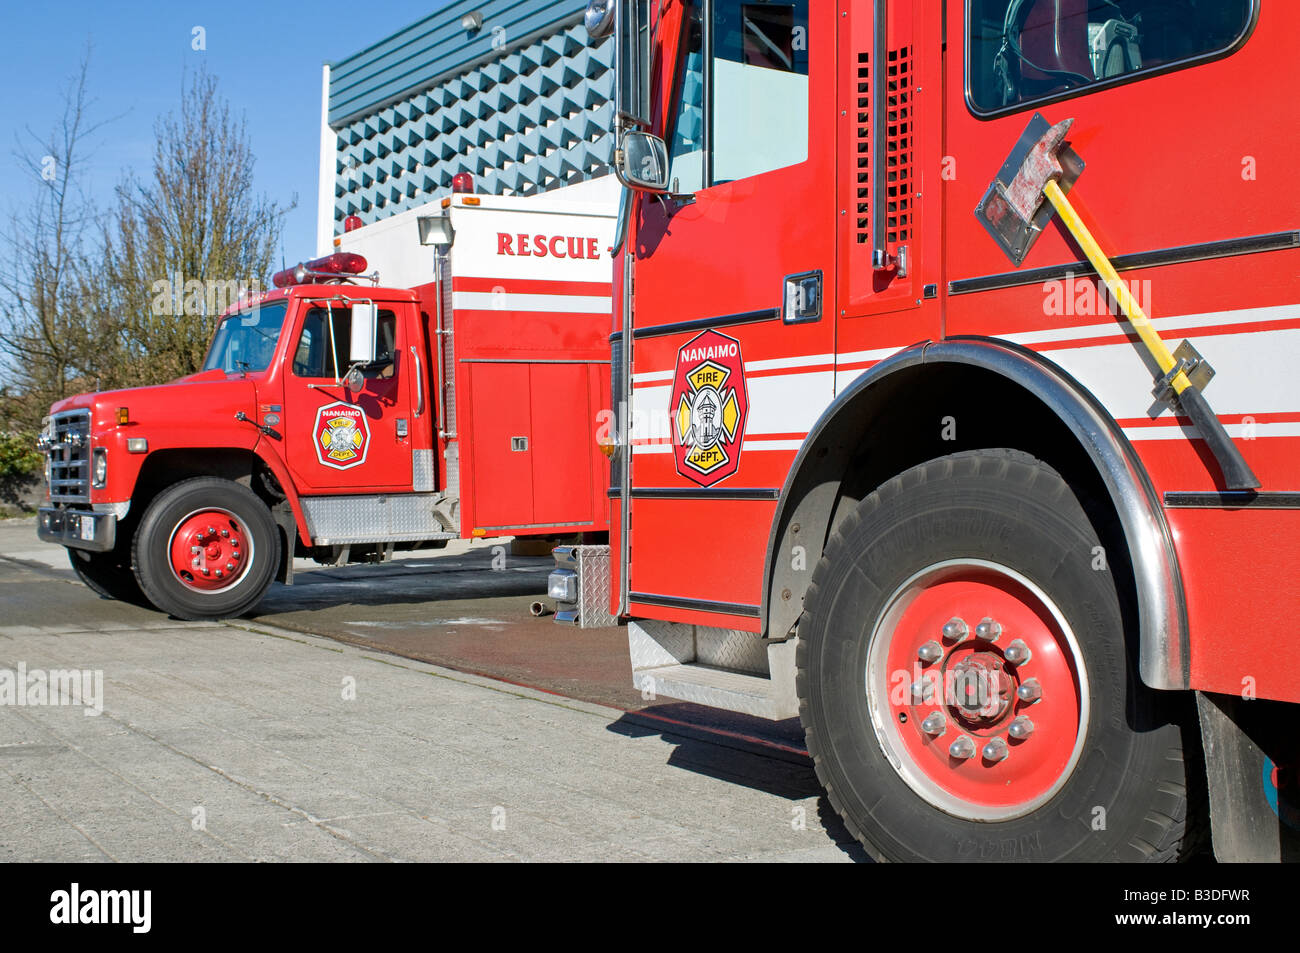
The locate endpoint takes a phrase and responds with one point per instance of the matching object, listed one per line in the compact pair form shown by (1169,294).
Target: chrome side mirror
(362,349)
(642,162)
(355,379)
(599,18)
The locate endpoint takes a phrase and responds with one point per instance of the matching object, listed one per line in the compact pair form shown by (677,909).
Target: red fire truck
(339,418)
(899,462)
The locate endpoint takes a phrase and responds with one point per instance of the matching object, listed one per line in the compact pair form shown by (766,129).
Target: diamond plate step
(679,661)
(732,691)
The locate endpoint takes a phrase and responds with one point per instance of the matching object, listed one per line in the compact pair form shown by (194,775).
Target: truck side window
(760,87)
(686,142)
(1022,51)
(320,355)
(752,99)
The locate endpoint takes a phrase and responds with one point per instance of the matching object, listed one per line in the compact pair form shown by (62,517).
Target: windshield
(245,341)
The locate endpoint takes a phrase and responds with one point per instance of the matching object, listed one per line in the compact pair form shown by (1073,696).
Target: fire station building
(510,92)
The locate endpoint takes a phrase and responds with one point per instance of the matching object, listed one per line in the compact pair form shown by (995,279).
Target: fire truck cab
(897,461)
(341,418)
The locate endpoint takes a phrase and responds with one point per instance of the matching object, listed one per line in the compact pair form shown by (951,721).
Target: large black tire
(107,574)
(1125,797)
(236,512)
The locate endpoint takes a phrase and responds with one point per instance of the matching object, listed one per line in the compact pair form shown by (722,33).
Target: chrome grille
(70,457)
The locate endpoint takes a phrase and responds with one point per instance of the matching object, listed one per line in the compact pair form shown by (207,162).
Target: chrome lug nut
(930,652)
(230,567)
(220,574)
(1021,727)
(935,724)
(212,531)
(225,532)
(962,748)
(988,630)
(1017,653)
(996,750)
(1029,691)
(955,630)
(921,690)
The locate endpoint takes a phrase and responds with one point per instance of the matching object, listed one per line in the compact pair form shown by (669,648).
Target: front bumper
(77,529)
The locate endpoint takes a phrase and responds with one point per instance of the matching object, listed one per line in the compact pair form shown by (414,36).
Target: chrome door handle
(419,383)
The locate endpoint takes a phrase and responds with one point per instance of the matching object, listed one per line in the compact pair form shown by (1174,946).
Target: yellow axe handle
(1127,303)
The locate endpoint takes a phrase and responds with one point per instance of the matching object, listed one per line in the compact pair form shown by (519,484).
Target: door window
(1023,51)
(743,77)
(326,338)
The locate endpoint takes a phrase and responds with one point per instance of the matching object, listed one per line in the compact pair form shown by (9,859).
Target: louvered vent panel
(900,125)
(862,147)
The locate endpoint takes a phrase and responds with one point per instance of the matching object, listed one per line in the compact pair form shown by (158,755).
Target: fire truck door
(343,441)
(733,346)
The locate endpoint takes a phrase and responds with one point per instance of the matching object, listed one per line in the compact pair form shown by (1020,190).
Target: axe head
(1014,209)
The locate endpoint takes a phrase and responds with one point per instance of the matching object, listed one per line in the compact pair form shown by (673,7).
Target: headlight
(99,468)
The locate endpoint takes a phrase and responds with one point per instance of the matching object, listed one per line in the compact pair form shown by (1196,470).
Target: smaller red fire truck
(342,418)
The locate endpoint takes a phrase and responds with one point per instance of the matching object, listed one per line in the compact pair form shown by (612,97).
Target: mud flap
(1251,765)
(283,517)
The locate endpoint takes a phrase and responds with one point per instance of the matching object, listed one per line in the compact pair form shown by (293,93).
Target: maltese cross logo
(709,406)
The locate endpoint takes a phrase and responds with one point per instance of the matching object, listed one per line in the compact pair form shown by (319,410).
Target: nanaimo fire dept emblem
(708,409)
(342,435)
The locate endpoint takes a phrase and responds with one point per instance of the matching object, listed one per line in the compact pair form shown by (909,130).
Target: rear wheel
(206,548)
(107,574)
(965,679)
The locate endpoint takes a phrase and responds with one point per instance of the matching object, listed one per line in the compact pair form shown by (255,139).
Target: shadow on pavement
(756,759)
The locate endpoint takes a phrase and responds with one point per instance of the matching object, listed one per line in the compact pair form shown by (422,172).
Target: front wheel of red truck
(206,548)
(966,676)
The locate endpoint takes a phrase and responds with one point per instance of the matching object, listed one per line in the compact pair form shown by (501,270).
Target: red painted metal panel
(562,444)
(502,476)
(336,441)
(1238,567)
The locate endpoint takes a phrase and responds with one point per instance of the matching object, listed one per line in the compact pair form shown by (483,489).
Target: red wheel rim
(210,551)
(983,721)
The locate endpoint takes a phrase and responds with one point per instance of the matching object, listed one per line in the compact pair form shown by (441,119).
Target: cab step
(722,668)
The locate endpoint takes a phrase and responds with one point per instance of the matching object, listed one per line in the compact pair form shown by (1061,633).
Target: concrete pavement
(251,742)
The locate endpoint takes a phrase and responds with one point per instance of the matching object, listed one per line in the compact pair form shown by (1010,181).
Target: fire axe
(1030,188)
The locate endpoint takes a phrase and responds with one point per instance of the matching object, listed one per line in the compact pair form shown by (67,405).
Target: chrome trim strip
(704,324)
(1178,255)
(734,493)
(624,451)
(696,605)
(1232,500)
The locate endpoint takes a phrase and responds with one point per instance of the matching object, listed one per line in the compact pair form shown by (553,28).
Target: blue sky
(266,56)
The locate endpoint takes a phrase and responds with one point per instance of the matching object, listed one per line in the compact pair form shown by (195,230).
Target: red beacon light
(462,183)
(337,267)
(351,223)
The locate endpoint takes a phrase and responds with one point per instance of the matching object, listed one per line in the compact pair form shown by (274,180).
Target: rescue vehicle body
(856,421)
(342,418)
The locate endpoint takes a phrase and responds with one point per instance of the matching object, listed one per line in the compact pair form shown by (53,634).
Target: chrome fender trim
(1164,652)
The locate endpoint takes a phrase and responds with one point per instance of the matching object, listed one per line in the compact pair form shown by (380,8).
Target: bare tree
(182,243)
(47,331)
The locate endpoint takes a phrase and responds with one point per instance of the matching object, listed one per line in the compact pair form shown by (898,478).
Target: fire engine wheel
(106,574)
(964,678)
(206,548)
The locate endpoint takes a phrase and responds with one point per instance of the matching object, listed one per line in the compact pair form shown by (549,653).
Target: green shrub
(18,456)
